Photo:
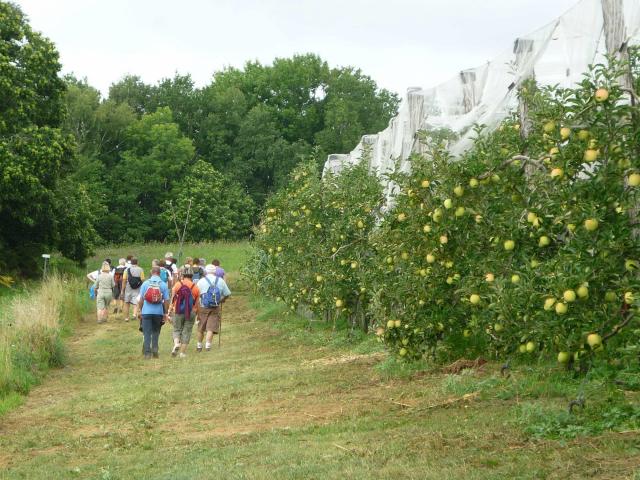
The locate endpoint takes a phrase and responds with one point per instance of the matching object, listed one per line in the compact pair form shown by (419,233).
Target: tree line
(78,169)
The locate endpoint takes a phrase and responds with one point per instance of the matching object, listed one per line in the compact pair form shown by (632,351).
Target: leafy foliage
(138,149)
(37,157)
(220,208)
(524,246)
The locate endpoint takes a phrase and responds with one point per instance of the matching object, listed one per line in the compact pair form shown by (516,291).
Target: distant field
(231,254)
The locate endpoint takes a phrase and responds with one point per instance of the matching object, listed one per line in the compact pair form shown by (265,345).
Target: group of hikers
(191,294)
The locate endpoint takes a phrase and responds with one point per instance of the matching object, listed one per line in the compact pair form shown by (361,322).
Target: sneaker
(174,351)
(183,355)
(155,355)
(208,349)
(198,349)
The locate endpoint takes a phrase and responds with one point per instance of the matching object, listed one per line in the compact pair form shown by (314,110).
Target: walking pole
(220,330)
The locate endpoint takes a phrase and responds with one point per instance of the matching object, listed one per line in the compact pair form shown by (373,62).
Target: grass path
(266,407)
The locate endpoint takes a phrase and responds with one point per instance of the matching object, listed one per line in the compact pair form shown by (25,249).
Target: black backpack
(134,282)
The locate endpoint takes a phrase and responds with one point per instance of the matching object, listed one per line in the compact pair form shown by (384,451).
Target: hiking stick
(220,327)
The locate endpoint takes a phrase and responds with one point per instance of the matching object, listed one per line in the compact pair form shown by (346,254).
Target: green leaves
(457,266)
(219,207)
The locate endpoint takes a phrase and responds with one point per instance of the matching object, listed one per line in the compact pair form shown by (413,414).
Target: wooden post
(468,79)
(615,35)
(523,48)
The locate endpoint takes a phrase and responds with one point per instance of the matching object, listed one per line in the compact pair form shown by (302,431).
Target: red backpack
(184,300)
(117,275)
(153,293)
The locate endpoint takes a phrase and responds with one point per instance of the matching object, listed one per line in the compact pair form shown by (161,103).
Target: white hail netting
(558,53)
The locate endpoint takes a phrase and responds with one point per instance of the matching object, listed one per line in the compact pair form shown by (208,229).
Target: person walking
(103,287)
(182,313)
(118,275)
(198,268)
(219,270)
(172,268)
(93,276)
(153,307)
(132,280)
(213,292)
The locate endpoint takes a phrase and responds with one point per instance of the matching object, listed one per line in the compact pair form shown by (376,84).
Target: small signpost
(46,257)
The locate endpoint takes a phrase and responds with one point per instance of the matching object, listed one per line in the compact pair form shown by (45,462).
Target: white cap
(210,268)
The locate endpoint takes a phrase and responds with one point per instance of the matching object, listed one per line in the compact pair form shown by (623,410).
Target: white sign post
(46,257)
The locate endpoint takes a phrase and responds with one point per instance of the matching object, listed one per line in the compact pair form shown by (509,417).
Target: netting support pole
(615,35)
(523,49)
(468,79)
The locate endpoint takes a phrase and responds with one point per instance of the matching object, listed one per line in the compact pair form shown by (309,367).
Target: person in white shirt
(210,316)
(93,276)
(170,264)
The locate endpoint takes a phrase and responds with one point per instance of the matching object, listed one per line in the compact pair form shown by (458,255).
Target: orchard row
(526,245)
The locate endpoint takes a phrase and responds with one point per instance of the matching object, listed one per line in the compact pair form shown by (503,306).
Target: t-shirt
(172,267)
(194,290)
(136,271)
(95,273)
(104,282)
(154,308)
(203,285)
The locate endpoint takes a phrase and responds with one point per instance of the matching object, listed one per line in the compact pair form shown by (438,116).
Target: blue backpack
(164,275)
(92,292)
(197,274)
(211,298)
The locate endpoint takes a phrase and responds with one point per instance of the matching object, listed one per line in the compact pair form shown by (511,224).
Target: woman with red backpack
(184,306)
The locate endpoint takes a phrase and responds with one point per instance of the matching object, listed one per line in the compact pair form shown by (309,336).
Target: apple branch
(333,256)
(523,158)
(627,317)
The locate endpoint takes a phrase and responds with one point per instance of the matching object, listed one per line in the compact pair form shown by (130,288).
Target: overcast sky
(399,43)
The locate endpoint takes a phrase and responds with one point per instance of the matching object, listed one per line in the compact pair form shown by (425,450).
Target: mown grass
(286,398)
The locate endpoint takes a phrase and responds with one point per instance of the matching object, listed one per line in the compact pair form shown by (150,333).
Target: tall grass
(31,329)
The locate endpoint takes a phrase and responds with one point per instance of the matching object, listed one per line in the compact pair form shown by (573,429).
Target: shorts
(131,296)
(103,299)
(182,328)
(209,319)
(117,292)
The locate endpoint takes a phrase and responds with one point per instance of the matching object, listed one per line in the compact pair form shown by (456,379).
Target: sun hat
(187,271)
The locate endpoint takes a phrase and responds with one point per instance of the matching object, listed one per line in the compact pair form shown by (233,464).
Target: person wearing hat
(170,265)
(103,287)
(210,317)
(182,312)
